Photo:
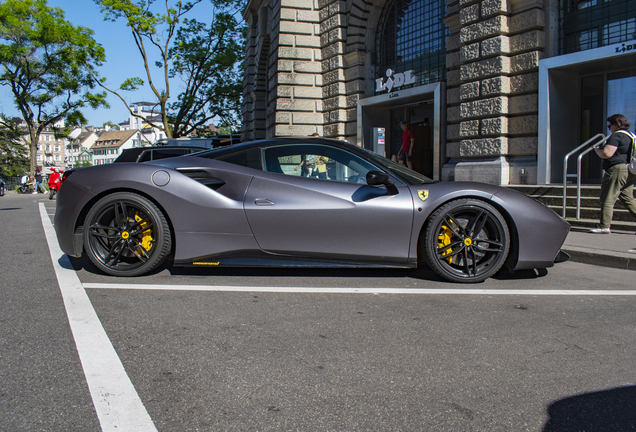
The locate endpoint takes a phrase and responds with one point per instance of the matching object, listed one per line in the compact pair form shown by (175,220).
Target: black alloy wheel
(466,240)
(126,234)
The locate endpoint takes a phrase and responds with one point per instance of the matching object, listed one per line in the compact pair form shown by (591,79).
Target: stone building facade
(492,89)
(490,116)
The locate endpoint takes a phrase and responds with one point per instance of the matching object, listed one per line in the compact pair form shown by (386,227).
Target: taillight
(67,174)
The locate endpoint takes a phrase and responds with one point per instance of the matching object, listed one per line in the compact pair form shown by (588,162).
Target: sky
(122,60)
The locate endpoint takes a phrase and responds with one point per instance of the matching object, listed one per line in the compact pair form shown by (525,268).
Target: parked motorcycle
(24,188)
(55,181)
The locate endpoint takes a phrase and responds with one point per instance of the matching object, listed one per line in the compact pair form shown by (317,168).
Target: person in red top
(406,152)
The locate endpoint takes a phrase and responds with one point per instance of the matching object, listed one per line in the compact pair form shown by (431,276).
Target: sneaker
(33,193)
(600,230)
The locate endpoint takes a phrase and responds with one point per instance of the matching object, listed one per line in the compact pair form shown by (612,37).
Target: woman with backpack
(618,181)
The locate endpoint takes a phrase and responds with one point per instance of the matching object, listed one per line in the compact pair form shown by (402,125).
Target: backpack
(631,160)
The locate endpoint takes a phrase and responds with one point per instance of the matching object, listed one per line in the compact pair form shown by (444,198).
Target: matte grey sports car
(298,202)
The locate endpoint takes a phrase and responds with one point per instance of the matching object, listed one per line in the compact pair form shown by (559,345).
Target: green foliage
(81,164)
(206,59)
(112,125)
(48,64)
(14,155)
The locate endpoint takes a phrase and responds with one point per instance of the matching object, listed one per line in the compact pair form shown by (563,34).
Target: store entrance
(597,104)
(420,107)
(578,93)
(419,123)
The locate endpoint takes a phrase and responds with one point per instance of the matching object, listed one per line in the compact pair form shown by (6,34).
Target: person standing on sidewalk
(618,182)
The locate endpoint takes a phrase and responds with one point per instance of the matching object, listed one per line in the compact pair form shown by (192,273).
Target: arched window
(412,37)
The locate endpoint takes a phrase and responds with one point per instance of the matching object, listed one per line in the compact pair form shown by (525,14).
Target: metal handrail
(601,139)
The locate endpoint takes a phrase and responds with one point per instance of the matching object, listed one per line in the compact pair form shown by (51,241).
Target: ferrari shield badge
(423,194)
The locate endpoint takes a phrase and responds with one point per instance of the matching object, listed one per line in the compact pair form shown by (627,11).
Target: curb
(618,260)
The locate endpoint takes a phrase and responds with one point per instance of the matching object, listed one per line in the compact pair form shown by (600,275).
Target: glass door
(621,95)
(592,123)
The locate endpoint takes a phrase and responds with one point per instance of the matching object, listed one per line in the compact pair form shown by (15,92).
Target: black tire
(51,194)
(466,241)
(126,234)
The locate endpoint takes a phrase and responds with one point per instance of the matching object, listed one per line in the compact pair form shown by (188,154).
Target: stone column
(283,81)
(344,59)
(493,58)
(296,102)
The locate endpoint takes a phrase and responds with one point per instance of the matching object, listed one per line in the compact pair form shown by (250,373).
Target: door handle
(263,202)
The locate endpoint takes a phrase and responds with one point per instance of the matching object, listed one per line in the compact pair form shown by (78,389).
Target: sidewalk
(607,250)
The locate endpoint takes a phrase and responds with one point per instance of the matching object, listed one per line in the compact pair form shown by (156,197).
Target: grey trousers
(618,183)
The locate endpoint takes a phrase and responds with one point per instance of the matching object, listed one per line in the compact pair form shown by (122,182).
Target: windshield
(410,177)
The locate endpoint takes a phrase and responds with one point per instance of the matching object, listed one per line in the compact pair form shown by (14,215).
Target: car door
(333,218)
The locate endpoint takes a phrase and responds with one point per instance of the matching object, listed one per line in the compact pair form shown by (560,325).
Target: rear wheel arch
(81,219)
(126,234)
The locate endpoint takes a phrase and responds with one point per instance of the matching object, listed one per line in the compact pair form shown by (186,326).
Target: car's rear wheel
(466,240)
(126,235)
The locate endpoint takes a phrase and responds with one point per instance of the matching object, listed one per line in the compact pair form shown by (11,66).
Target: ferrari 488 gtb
(298,202)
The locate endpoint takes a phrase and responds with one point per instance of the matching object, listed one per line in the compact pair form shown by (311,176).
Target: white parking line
(322,290)
(115,399)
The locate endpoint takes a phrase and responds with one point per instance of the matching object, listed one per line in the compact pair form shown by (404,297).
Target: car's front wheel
(466,240)
(125,234)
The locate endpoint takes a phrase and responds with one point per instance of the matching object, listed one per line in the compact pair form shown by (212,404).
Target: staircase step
(620,215)
(557,190)
(557,201)
(592,223)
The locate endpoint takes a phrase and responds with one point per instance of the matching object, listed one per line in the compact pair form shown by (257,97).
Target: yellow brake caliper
(146,240)
(444,239)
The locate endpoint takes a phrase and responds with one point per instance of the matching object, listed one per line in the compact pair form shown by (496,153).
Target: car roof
(281,141)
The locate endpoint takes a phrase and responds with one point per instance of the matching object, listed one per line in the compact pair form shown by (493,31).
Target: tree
(49,65)
(207,60)
(82,164)
(14,155)
(111,125)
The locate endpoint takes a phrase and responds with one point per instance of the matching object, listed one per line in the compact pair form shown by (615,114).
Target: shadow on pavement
(607,410)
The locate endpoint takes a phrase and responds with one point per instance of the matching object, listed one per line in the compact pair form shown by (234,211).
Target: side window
(167,153)
(318,162)
(145,156)
(249,158)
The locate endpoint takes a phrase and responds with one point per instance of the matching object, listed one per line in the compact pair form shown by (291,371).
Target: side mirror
(378,178)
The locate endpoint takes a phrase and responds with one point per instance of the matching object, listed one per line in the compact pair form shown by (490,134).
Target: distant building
(79,144)
(110,144)
(146,134)
(51,150)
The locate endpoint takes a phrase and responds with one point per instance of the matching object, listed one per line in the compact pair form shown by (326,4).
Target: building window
(594,23)
(412,37)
